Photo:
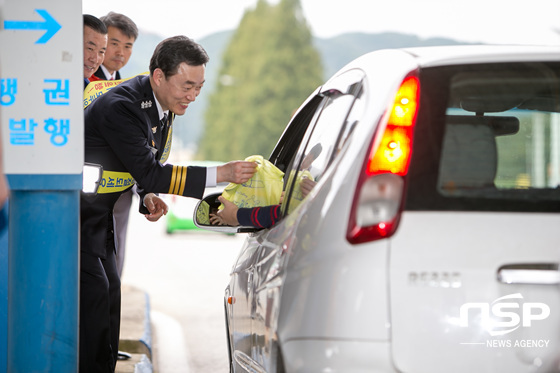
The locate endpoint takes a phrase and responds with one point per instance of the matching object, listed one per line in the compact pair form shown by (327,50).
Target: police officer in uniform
(128,132)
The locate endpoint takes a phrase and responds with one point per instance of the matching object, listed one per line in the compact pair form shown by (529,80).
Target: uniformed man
(95,45)
(128,132)
(122,33)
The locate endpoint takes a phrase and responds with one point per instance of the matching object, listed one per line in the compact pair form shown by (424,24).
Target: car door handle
(529,273)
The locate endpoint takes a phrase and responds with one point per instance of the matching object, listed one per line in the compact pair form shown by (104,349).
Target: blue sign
(8,91)
(41,93)
(50,25)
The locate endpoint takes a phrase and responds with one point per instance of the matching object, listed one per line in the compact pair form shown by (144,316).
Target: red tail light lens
(378,197)
(406,103)
(393,153)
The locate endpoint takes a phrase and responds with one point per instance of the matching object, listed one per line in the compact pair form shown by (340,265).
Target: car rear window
(487,138)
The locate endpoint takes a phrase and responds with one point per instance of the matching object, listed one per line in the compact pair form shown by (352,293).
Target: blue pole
(43,281)
(3,289)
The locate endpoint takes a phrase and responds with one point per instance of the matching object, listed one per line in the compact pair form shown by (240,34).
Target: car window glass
(502,134)
(325,139)
(286,149)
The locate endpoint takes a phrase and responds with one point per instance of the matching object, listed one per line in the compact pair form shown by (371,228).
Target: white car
(431,240)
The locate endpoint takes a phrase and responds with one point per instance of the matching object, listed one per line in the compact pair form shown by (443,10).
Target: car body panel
(327,261)
(433,276)
(239,298)
(337,355)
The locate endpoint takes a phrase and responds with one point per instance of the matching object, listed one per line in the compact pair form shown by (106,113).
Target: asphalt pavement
(180,278)
(136,332)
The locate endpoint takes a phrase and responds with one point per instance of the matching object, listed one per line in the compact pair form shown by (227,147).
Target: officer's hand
(155,206)
(236,172)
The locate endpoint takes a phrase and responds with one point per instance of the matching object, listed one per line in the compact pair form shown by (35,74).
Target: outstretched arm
(258,217)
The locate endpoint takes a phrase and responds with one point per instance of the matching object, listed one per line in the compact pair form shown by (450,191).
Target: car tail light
(379,193)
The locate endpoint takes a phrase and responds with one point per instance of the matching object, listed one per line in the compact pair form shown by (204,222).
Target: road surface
(185,275)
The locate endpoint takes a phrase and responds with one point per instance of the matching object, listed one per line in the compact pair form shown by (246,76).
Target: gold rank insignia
(153,143)
(154,129)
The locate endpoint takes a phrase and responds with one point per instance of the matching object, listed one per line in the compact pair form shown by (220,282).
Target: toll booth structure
(41,116)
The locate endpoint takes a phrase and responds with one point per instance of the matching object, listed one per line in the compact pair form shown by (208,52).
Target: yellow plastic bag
(264,188)
(203,213)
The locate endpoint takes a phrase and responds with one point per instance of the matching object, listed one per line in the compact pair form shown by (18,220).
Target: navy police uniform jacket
(100,75)
(123,133)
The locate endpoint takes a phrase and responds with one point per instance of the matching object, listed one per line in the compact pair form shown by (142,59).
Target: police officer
(128,132)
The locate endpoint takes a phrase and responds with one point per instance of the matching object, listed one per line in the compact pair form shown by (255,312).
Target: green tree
(268,69)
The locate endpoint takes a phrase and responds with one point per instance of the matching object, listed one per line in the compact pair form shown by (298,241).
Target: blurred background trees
(258,74)
(268,68)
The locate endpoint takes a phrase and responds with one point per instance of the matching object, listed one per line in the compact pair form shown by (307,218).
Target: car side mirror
(91,177)
(209,205)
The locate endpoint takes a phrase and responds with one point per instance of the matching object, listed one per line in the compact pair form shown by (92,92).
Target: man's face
(119,49)
(176,92)
(95,45)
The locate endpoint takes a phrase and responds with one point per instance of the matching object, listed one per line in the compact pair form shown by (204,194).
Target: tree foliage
(268,69)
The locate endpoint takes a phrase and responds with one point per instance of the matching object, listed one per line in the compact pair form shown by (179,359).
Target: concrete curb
(144,365)
(136,331)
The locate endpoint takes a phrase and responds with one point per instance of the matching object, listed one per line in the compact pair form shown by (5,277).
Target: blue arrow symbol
(50,25)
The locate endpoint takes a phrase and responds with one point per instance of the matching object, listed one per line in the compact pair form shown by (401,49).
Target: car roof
(465,54)
(403,60)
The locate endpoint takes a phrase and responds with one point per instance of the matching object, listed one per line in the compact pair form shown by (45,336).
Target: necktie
(165,128)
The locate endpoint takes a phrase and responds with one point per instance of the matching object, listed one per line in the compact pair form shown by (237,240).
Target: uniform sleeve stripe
(173,177)
(183,181)
(178,180)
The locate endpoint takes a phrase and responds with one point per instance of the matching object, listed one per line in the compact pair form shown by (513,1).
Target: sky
(486,21)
